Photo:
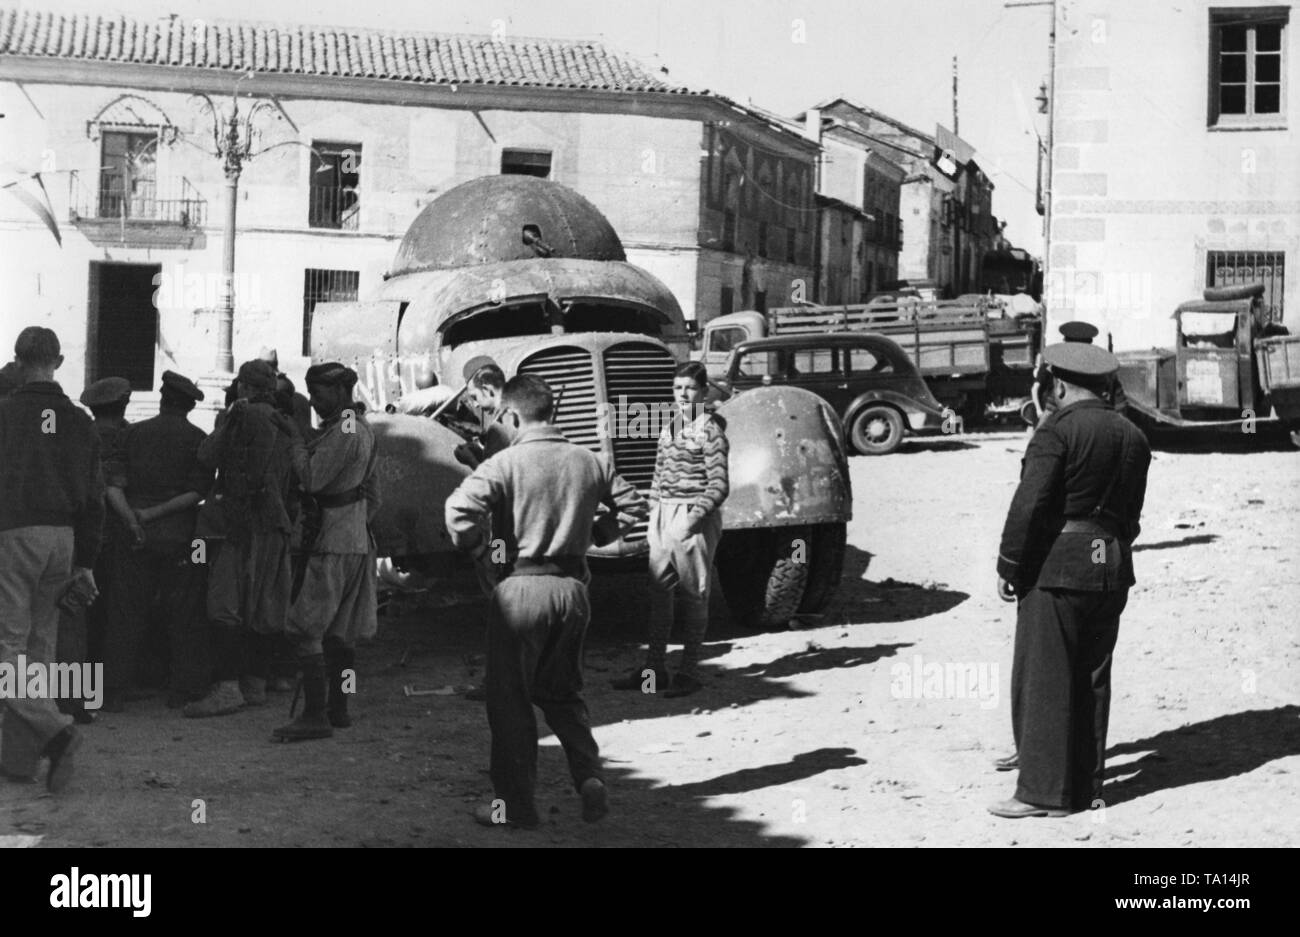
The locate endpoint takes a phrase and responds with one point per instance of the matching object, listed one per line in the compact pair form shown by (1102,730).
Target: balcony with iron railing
(333,207)
(113,197)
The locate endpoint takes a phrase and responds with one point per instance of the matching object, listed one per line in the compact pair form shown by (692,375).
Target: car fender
(912,411)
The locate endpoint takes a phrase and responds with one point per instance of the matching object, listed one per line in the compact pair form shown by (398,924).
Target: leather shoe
(1008,763)
(494,814)
(60,750)
(1014,809)
(595,800)
(638,680)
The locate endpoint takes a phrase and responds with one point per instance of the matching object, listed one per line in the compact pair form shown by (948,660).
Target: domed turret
(495,219)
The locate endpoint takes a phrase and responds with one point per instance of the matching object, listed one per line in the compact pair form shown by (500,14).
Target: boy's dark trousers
(536,627)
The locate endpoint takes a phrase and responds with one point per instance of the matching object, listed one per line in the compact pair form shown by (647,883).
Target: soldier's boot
(313,723)
(253,689)
(337,660)
(224,699)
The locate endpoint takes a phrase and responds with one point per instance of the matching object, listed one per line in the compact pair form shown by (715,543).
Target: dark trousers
(536,627)
(1060,693)
(140,577)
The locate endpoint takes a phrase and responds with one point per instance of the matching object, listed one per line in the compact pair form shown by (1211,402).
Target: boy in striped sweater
(689,485)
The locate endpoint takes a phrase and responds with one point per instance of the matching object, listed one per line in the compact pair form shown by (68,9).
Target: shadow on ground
(1193,540)
(798,768)
(859,601)
(1213,750)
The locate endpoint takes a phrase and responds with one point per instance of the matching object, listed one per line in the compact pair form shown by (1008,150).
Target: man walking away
(1066,555)
(539,497)
(51,516)
(336,603)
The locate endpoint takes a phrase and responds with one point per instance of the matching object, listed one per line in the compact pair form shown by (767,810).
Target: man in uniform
(1083,333)
(1066,557)
(154,477)
(337,600)
(81,631)
(539,498)
(51,517)
(250,581)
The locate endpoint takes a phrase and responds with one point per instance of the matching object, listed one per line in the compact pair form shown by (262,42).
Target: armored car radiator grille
(639,382)
(572,378)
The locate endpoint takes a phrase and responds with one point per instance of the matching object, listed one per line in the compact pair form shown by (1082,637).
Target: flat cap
(182,385)
(257,374)
(1077,331)
(330,374)
(476,364)
(105,391)
(1077,360)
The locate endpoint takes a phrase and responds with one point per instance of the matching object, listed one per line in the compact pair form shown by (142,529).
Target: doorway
(122,323)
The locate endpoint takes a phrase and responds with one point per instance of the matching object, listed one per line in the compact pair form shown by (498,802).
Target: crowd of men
(258,536)
(250,541)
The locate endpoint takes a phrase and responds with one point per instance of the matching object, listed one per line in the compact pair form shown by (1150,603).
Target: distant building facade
(107,123)
(946,205)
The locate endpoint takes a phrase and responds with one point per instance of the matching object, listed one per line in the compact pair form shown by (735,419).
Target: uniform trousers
(35,563)
(1060,693)
(536,628)
(163,572)
(338,600)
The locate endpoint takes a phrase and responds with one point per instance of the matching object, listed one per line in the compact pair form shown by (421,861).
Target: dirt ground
(835,734)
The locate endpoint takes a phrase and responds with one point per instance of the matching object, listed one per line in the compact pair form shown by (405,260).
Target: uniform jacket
(154,461)
(334,462)
(1084,463)
(51,478)
(254,464)
(540,497)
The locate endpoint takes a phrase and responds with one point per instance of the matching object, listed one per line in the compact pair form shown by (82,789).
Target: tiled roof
(326,51)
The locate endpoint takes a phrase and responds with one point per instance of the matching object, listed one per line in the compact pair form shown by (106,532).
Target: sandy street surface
(827,735)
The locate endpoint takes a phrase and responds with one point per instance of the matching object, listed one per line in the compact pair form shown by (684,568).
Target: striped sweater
(691,463)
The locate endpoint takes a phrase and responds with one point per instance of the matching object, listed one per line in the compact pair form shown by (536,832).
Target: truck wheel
(763,574)
(877,430)
(826,566)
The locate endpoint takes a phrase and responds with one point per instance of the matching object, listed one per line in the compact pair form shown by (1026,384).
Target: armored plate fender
(788,460)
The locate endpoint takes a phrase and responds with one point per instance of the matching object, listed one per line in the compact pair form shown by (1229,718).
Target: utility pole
(956,130)
(1051,136)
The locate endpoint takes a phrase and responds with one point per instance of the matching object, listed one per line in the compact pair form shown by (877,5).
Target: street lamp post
(232,138)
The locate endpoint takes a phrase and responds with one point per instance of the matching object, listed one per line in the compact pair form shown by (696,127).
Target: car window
(815,361)
(758,364)
(864,361)
(725,339)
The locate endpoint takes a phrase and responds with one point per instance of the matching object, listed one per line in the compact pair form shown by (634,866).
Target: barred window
(1239,268)
(325,286)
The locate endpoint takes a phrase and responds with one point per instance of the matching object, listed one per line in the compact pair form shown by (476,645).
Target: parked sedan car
(866,378)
